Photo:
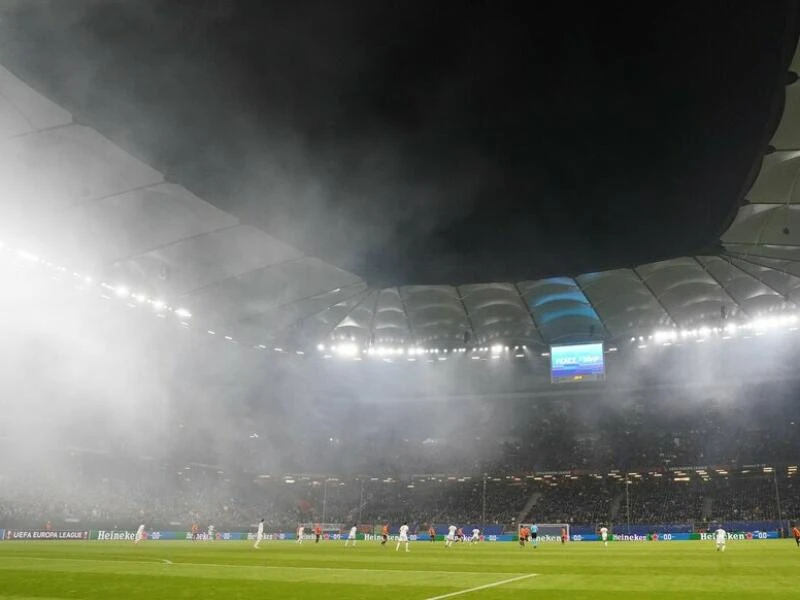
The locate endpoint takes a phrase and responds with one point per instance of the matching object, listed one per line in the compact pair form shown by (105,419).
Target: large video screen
(583,362)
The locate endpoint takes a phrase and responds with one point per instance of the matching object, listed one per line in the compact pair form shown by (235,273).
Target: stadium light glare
(122,291)
(183,313)
(321,347)
(348,349)
(29,256)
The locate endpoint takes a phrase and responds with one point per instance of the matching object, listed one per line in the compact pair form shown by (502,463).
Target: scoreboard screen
(582,362)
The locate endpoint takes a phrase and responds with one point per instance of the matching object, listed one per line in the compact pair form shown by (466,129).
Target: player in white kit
(259,533)
(476,536)
(351,537)
(403,537)
(451,536)
(139,534)
(300,531)
(210,533)
(604,534)
(720,536)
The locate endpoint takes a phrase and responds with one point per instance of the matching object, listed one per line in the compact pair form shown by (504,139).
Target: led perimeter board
(582,362)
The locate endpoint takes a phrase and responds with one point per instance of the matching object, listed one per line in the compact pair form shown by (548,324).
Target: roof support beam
(599,318)
(348,313)
(408,316)
(303,299)
(729,260)
(306,317)
(372,318)
(655,297)
(203,288)
(173,242)
(721,286)
(524,303)
(466,315)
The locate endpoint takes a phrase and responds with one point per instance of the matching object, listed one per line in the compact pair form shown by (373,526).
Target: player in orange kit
(384,534)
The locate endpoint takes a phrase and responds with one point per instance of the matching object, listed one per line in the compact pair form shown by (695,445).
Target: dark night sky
(432,142)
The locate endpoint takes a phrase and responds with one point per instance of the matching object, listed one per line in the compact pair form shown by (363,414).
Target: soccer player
(432,533)
(259,533)
(139,534)
(351,537)
(451,536)
(563,535)
(403,537)
(210,533)
(796,534)
(476,536)
(300,531)
(720,537)
(534,535)
(194,532)
(317,533)
(604,535)
(523,536)
(384,534)
(460,535)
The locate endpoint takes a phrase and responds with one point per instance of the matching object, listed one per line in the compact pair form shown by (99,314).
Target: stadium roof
(73,197)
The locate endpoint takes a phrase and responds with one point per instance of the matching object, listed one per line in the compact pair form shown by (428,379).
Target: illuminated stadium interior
(170,361)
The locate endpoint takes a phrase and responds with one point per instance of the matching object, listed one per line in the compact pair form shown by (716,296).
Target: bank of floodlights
(350,349)
(755,327)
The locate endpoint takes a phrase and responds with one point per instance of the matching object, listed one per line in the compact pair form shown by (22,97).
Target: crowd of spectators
(555,466)
(175,499)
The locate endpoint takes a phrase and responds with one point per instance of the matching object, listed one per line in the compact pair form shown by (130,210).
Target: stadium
(202,400)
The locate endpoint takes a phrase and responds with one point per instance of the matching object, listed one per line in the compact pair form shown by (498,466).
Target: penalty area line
(482,587)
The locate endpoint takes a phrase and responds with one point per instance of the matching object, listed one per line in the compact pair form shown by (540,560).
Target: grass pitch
(234,570)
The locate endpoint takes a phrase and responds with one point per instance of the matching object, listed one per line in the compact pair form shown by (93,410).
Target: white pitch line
(482,587)
(242,566)
(166,562)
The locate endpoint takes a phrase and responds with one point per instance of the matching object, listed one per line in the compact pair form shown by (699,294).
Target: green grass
(234,570)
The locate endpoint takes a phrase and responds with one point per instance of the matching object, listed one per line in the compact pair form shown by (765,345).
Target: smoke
(97,376)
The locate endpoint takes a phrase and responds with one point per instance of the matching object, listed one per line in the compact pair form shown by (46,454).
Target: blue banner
(674,537)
